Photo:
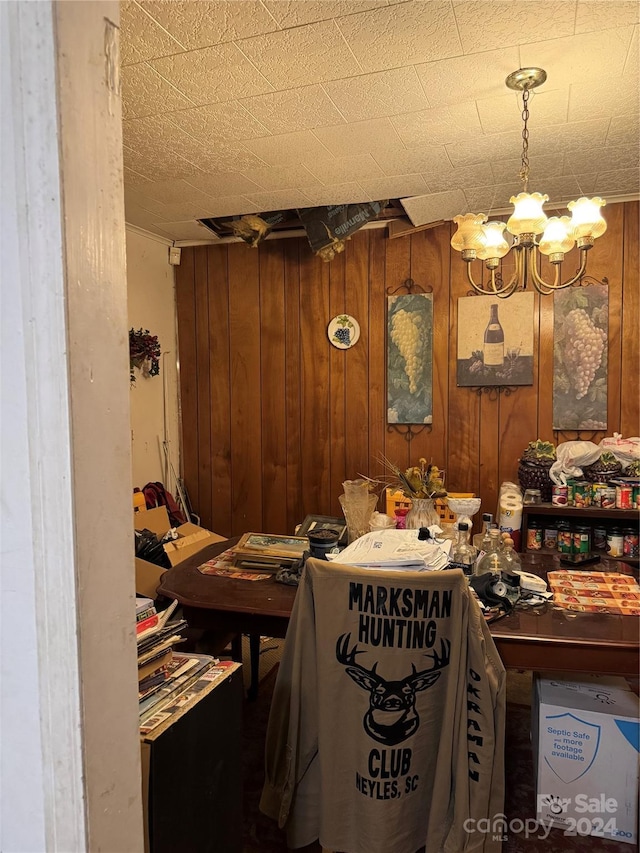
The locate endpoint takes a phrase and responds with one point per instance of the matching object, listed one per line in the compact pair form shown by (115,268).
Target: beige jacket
(386,731)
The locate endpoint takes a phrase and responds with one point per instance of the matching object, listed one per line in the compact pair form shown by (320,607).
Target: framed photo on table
(318,522)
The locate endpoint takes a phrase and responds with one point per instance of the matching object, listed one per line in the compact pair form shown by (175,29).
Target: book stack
(163,674)
(262,552)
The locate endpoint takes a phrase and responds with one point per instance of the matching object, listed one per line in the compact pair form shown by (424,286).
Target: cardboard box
(585,741)
(191,539)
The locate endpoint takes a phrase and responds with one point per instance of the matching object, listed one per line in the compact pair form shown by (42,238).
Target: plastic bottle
(464,553)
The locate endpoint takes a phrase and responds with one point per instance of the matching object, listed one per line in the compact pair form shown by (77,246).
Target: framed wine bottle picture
(495,340)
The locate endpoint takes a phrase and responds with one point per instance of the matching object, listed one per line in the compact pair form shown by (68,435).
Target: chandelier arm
(478,287)
(513,282)
(545,288)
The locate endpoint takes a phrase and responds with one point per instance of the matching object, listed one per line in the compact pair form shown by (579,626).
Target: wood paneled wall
(274,418)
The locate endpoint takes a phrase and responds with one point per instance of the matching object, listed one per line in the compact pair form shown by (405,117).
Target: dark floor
(261,835)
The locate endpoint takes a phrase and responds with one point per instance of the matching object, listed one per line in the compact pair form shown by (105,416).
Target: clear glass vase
(423,513)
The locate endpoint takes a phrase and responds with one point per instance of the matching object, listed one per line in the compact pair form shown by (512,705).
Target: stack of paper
(395,549)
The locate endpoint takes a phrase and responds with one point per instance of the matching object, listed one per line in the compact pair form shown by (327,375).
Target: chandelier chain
(524,172)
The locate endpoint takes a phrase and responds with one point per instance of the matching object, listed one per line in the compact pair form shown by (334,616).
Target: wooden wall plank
(203,349)
(377,353)
(186,318)
(337,390)
(293,391)
(246,437)
(220,386)
(273,383)
(629,396)
(358,460)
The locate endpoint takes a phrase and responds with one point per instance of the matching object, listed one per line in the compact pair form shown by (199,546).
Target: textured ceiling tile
(438,126)
(597,159)
(405,34)
(283,177)
(301,147)
(212,74)
(487,22)
(428,159)
(380,188)
(346,169)
(299,57)
(279,200)
(164,165)
(376,135)
(572,136)
(349,193)
(562,188)
(478,175)
(140,36)
(624,130)
(144,92)
(293,109)
(189,231)
(293,13)
(541,167)
(134,214)
(486,199)
(632,65)
(203,23)
(191,209)
(620,182)
(584,57)
(431,208)
(596,15)
(140,199)
(604,97)
(384,93)
(504,113)
(133,179)
(224,183)
(450,81)
(232,205)
(227,157)
(469,150)
(173,192)
(228,121)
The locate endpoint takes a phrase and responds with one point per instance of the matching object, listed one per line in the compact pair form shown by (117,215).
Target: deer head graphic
(391,716)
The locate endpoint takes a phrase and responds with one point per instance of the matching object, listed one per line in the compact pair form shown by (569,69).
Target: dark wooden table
(544,639)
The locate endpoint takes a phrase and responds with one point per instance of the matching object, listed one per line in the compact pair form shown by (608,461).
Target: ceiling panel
(237,107)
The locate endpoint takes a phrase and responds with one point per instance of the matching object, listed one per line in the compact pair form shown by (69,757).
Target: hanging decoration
(409,355)
(144,353)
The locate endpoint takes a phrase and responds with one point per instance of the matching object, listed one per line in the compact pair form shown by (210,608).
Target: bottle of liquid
(478,539)
(493,352)
(493,560)
(464,553)
(511,556)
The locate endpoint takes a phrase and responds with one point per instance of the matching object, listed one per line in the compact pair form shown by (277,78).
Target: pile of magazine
(395,549)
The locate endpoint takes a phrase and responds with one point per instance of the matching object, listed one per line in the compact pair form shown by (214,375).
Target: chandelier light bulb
(558,236)
(586,218)
(528,217)
(495,245)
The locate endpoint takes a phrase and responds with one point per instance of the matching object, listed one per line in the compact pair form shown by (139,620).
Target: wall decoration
(144,353)
(343,331)
(580,335)
(495,340)
(410,358)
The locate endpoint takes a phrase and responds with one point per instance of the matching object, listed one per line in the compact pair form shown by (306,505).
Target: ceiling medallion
(530,229)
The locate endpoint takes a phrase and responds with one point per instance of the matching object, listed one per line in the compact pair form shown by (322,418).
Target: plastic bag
(625,450)
(571,457)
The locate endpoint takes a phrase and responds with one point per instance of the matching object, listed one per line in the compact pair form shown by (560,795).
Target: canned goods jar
(608,498)
(581,539)
(623,497)
(635,497)
(630,542)
(582,494)
(570,490)
(550,538)
(597,490)
(599,539)
(565,540)
(534,536)
(559,495)
(615,542)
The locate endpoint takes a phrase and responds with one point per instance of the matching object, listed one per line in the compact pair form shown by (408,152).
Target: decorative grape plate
(343,331)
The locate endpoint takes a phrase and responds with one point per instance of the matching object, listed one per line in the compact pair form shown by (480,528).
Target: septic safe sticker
(574,746)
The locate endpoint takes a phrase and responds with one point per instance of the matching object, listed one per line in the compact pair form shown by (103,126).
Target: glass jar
(423,513)
(534,535)
(581,539)
(615,542)
(493,560)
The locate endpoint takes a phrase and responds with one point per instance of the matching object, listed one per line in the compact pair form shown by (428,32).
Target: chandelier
(486,241)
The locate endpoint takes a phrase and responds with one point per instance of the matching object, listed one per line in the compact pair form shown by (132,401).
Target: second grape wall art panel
(580,335)
(495,340)
(410,358)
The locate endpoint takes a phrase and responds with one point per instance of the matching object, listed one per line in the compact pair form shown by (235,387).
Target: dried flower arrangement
(424,480)
(144,353)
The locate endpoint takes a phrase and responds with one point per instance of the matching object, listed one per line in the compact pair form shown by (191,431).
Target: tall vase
(423,513)
(357,504)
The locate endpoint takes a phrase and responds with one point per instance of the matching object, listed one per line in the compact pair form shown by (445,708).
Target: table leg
(254,656)
(236,648)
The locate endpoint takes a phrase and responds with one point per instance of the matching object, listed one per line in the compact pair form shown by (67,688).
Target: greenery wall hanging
(144,353)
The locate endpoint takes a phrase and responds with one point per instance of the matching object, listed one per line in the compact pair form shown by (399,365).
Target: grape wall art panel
(495,340)
(410,358)
(580,335)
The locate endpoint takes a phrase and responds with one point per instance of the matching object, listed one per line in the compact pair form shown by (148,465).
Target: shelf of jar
(578,512)
(632,561)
